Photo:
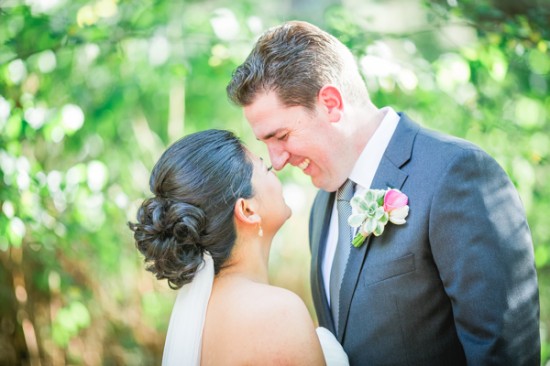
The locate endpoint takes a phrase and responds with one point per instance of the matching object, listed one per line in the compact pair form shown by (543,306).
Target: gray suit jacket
(456,284)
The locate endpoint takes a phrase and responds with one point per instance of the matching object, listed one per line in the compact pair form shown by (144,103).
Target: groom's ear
(245,211)
(331,99)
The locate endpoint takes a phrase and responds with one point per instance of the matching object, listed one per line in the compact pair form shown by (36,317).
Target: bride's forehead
(255,159)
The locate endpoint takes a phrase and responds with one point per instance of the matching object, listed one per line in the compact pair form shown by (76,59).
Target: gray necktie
(343,196)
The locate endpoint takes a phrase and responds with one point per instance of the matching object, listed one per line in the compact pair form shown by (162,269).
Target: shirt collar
(365,167)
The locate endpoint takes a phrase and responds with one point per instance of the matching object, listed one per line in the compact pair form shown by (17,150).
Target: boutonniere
(373,210)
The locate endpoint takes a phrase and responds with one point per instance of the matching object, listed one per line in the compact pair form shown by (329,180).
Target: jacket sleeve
(482,246)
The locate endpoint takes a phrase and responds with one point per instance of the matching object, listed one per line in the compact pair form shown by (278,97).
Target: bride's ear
(245,212)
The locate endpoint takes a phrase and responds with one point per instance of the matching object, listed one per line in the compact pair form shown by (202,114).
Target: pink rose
(394,199)
(395,204)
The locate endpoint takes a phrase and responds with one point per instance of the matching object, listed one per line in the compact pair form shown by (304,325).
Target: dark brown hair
(295,59)
(195,184)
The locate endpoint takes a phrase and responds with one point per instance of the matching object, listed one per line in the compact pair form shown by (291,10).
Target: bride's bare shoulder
(265,304)
(278,321)
(276,299)
(271,323)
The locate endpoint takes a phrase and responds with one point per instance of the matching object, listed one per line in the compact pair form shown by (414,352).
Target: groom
(454,284)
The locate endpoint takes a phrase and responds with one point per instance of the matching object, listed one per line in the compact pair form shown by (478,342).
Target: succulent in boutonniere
(373,210)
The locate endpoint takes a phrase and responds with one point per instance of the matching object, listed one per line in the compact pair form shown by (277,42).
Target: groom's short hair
(296,59)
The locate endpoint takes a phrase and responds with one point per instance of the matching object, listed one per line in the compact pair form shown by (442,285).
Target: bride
(208,230)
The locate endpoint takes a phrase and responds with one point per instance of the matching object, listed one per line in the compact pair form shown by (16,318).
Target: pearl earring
(260,232)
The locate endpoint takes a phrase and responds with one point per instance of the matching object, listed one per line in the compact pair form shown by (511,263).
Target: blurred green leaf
(92,92)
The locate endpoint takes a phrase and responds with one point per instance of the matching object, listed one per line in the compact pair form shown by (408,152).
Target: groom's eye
(282,137)
(270,168)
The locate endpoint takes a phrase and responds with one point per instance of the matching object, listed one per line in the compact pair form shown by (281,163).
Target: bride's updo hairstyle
(195,184)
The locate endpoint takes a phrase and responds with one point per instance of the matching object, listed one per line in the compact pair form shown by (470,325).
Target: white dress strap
(184,337)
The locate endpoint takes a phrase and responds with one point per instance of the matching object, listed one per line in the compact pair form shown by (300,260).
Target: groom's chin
(325,186)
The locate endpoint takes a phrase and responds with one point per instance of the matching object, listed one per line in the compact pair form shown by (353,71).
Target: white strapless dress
(332,349)
(185,329)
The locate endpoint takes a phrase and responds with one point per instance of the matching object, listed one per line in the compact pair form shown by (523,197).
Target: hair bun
(168,234)
(188,222)
(196,184)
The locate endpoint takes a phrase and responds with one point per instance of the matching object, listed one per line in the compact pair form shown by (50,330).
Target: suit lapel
(388,175)
(321,213)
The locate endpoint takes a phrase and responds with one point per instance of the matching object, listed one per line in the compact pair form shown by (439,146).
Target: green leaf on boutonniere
(379,229)
(356,219)
(359,203)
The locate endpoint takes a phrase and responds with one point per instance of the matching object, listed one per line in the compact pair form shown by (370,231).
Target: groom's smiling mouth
(304,164)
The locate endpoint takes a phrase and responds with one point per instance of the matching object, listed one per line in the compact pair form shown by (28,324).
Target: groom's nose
(278,157)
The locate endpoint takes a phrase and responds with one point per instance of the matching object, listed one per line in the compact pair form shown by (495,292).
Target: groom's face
(297,136)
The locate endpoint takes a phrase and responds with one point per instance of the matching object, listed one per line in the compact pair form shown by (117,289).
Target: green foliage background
(91,92)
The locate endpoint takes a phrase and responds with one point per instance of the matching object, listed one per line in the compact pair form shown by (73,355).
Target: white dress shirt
(362,174)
